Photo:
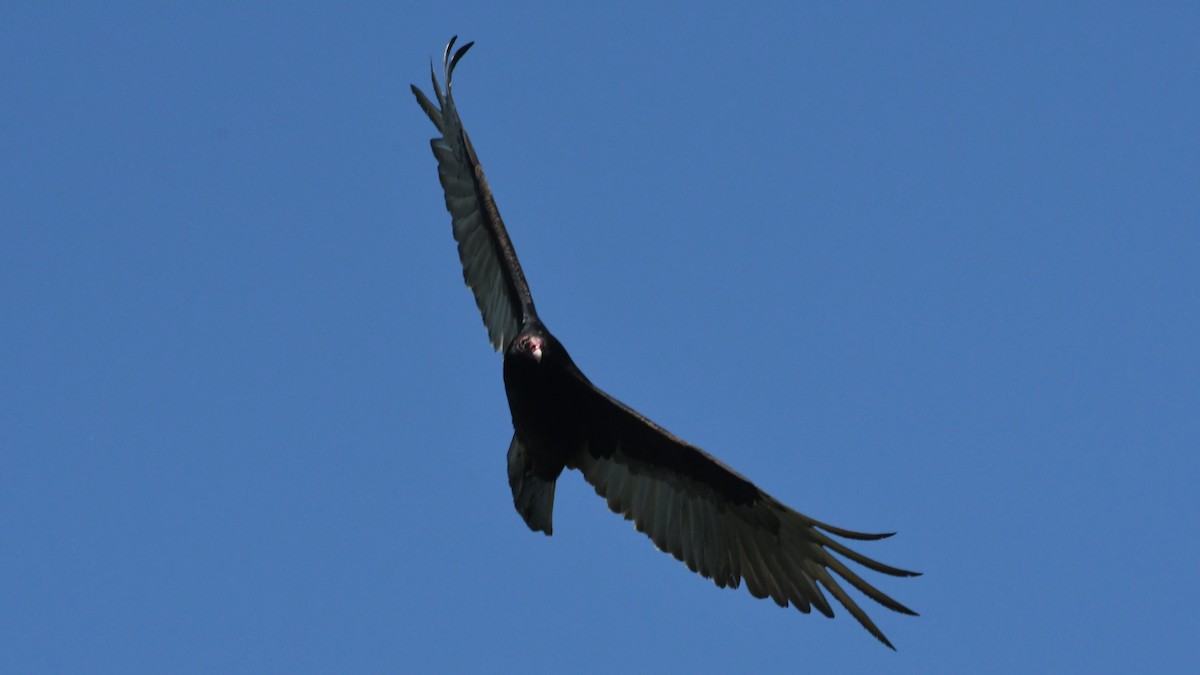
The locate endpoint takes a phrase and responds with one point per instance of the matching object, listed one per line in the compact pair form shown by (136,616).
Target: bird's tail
(533,496)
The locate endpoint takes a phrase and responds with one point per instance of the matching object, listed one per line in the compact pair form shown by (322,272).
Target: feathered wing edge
(778,552)
(490,266)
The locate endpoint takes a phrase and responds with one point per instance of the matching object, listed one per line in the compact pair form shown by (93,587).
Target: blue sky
(928,269)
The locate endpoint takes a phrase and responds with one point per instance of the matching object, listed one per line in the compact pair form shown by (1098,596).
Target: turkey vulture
(690,504)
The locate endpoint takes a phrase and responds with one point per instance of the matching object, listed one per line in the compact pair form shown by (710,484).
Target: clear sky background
(929,269)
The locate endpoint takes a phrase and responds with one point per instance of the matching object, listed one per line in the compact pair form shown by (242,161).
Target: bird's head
(532,346)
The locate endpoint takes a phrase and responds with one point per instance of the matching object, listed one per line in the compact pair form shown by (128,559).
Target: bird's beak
(537,354)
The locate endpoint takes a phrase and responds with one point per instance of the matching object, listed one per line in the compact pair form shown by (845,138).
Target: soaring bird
(688,502)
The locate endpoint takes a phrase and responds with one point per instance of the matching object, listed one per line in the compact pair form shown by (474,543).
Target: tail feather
(533,496)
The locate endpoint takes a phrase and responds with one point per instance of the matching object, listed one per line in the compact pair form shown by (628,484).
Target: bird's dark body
(688,502)
(548,414)
(557,414)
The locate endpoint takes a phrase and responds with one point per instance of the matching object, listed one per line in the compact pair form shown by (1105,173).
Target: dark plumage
(690,504)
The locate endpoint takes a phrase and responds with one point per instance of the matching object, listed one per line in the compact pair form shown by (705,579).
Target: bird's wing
(717,522)
(489,261)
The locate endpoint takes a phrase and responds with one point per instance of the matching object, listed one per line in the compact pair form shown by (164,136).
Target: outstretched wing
(717,522)
(489,261)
